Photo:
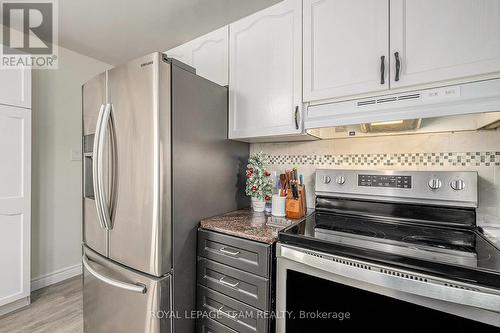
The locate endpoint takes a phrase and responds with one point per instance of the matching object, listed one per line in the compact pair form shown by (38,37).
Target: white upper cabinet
(181,53)
(439,40)
(346,47)
(208,54)
(15,87)
(265,72)
(423,42)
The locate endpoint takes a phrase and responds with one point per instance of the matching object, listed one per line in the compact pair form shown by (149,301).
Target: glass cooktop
(432,243)
(455,246)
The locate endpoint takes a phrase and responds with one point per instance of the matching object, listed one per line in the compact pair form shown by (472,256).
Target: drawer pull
(233,285)
(234,316)
(231,253)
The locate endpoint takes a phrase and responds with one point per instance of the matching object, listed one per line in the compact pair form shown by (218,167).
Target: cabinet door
(15,87)
(181,53)
(208,54)
(346,46)
(15,192)
(265,72)
(440,40)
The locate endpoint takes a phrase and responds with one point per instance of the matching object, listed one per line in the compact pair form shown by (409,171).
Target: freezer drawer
(117,299)
(246,287)
(232,313)
(246,255)
(207,325)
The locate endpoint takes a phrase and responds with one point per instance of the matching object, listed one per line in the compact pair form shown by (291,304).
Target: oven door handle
(395,278)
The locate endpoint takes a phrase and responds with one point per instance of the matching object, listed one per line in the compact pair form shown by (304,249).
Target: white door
(265,72)
(15,87)
(15,193)
(208,54)
(440,40)
(346,47)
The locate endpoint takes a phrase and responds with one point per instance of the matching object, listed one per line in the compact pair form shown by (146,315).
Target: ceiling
(115,31)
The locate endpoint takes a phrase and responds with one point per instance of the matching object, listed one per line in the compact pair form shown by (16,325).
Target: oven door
(318,291)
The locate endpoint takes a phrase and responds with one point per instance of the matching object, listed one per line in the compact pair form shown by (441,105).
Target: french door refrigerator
(156,161)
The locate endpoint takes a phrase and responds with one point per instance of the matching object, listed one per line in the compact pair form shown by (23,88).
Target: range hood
(463,107)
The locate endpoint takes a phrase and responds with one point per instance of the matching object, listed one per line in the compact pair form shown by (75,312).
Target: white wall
(56,187)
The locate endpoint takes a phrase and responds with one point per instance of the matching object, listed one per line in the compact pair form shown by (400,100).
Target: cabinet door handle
(231,253)
(382,70)
(233,285)
(398,66)
(229,315)
(296,117)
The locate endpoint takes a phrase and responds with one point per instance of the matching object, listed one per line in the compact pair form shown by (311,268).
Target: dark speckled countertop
(248,224)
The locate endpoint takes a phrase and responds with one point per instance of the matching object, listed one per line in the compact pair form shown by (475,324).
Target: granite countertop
(248,224)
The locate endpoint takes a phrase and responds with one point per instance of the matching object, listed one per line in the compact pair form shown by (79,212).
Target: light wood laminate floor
(57,308)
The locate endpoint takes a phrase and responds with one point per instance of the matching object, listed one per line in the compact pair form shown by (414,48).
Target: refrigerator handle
(135,287)
(106,217)
(95,166)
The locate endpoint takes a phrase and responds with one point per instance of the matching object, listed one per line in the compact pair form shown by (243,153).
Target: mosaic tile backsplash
(463,151)
(465,159)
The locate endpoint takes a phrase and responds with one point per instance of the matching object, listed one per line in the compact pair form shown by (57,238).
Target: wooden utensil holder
(296,208)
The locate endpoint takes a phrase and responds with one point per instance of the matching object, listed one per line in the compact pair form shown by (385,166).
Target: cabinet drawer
(207,325)
(245,287)
(230,312)
(246,255)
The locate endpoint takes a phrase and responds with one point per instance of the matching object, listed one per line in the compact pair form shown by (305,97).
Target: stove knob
(435,183)
(457,185)
(327,179)
(340,180)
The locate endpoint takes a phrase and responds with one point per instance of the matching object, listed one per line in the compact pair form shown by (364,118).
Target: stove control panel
(395,181)
(448,188)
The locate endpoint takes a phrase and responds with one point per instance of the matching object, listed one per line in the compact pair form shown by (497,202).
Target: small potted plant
(259,184)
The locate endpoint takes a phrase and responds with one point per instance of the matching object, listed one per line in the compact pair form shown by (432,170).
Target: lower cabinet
(207,325)
(241,285)
(235,291)
(228,311)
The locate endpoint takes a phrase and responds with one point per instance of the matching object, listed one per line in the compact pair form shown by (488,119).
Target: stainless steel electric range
(398,248)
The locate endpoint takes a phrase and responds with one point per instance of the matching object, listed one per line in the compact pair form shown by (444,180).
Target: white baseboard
(56,276)
(16,305)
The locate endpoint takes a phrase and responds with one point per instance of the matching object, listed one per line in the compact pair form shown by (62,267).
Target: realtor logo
(29,34)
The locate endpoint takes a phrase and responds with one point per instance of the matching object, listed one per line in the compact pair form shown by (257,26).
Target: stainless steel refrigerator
(156,161)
